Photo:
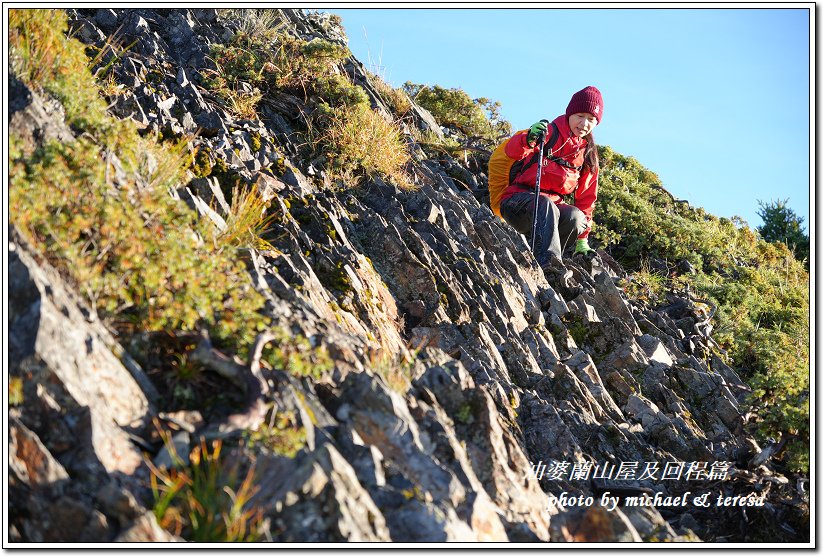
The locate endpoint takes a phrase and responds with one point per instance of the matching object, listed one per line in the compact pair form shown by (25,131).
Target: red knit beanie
(589,100)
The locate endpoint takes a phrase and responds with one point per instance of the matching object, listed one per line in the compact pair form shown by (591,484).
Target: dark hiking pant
(558,225)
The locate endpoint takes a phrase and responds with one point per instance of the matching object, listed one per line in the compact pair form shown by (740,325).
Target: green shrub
(138,255)
(479,118)
(42,57)
(274,61)
(281,435)
(761,290)
(297,355)
(337,90)
(142,259)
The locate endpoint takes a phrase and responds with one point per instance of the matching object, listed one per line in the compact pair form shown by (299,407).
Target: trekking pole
(538,190)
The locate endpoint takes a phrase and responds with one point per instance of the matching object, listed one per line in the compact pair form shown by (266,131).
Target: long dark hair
(591,153)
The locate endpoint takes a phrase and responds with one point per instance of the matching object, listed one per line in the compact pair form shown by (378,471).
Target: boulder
(317,499)
(64,354)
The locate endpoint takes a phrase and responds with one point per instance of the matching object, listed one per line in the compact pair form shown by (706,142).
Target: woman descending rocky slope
(415,379)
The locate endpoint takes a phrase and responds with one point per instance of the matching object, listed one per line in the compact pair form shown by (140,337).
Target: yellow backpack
(503,170)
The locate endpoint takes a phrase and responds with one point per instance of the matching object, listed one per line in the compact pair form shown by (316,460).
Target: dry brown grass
(359,140)
(247,221)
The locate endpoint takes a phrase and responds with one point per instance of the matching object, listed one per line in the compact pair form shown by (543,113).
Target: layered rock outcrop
(502,375)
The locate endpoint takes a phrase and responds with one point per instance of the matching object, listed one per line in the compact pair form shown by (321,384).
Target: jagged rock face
(505,373)
(75,373)
(70,451)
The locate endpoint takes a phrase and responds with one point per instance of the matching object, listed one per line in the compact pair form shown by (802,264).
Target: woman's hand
(536,131)
(582,247)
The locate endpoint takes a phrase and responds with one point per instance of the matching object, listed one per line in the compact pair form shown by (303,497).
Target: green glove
(535,132)
(582,247)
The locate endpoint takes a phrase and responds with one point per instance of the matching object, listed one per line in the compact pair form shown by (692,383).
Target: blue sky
(716,102)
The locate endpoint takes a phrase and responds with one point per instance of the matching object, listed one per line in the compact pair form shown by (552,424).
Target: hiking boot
(586,261)
(560,278)
(555,269)
(570,292)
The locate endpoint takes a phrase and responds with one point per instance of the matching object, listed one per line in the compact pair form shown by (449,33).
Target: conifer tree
(781,224)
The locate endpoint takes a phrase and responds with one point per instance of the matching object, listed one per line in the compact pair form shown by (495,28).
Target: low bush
(138,255)
(761,290)
(280,435)
(355,140)
(143,260)
(42,57)
(475,118)
(257,63)
(397,99)
(297,355)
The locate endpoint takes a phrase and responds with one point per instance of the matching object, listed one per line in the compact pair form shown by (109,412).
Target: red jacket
(556,180)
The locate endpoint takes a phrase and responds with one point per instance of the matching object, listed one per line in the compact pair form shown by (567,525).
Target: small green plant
(395,370)
(577,328)
(282,435)
(185,378)
(414,492)
(202,162)
(465,414)
(15,391)
(338,90)
(646,285)
(297,355)
(255,142)
(205,501)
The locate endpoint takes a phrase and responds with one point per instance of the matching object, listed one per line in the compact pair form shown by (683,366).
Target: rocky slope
(455,370)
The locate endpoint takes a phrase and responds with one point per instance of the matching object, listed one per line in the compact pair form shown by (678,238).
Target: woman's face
(582,123)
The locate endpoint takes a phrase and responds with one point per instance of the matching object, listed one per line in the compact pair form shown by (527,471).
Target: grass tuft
(206,501)
(247,220)
(359,140)
(255,22)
